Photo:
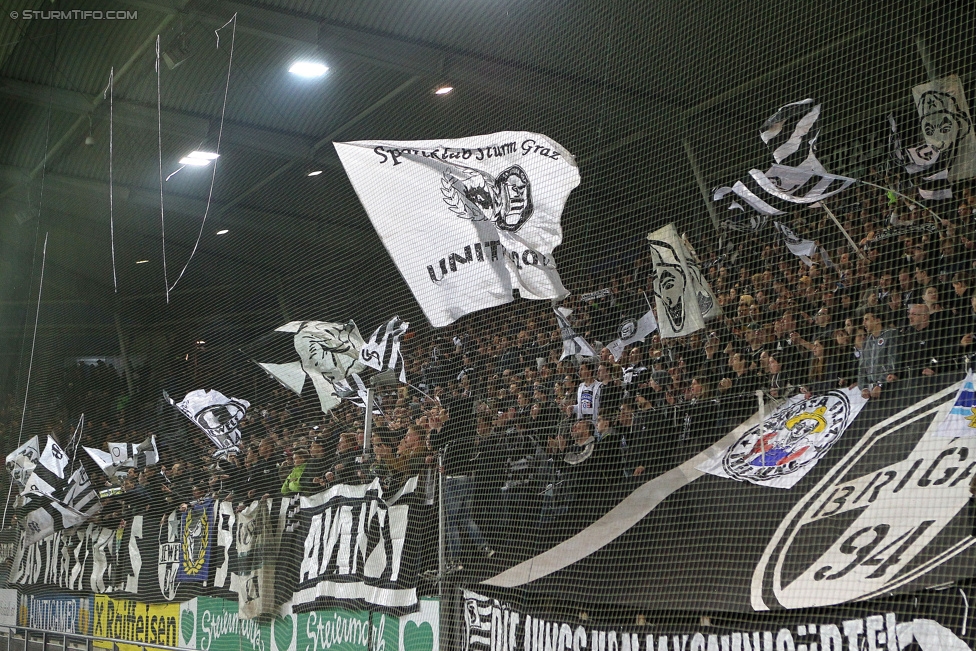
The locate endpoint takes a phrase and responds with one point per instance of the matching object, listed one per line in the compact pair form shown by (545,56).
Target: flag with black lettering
(358,549)
(48,475)
(217,415)
(468,220)
(573,344)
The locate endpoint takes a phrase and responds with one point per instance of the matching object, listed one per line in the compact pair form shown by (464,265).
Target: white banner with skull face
(682,296)
(467,220)
(947,125)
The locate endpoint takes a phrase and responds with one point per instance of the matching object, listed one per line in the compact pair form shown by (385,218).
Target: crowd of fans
(529,443)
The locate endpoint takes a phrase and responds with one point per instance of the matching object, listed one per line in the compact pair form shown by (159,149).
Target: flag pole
(860,253)
(935,217)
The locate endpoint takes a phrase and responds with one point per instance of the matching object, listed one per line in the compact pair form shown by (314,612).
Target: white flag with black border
(467,220)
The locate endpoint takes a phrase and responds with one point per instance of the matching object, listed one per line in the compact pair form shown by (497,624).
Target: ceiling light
(443,90)
(308,69)
(315,173)
(199,158)
(141,261)
(223,231)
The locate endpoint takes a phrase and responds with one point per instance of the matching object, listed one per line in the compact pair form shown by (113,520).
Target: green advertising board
(210,624)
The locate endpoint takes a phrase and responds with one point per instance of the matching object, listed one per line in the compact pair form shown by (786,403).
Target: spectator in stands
(587,394)
(879,356)
(453,435)
(294,481)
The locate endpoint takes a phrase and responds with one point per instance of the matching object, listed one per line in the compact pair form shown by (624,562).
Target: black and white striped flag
(796,177)
(477,621)
(381,352)
(46,514)
(790,132)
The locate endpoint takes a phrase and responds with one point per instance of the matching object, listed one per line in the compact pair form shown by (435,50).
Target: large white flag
(789,442)
(682,295)
(947,125)
(217,415)
(467,220)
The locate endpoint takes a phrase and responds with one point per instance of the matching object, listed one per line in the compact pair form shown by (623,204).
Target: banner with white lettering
(354,553)
(491,624)
(467,220)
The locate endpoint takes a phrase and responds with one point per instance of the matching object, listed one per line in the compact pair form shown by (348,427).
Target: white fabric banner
(467,220)
(790,441)
(947,125)
(682,295)
(217,415)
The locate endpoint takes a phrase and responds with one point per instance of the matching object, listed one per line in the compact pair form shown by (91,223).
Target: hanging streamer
(111,176)
(220,132)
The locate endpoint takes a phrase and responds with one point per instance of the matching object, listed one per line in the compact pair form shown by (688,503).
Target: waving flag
(573,344)
(947,126)
(332,354)
(135,455)
(382,351)
(796,177)
(217,415)
(469,220)
(631,332)
(682,295)
(21,462)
